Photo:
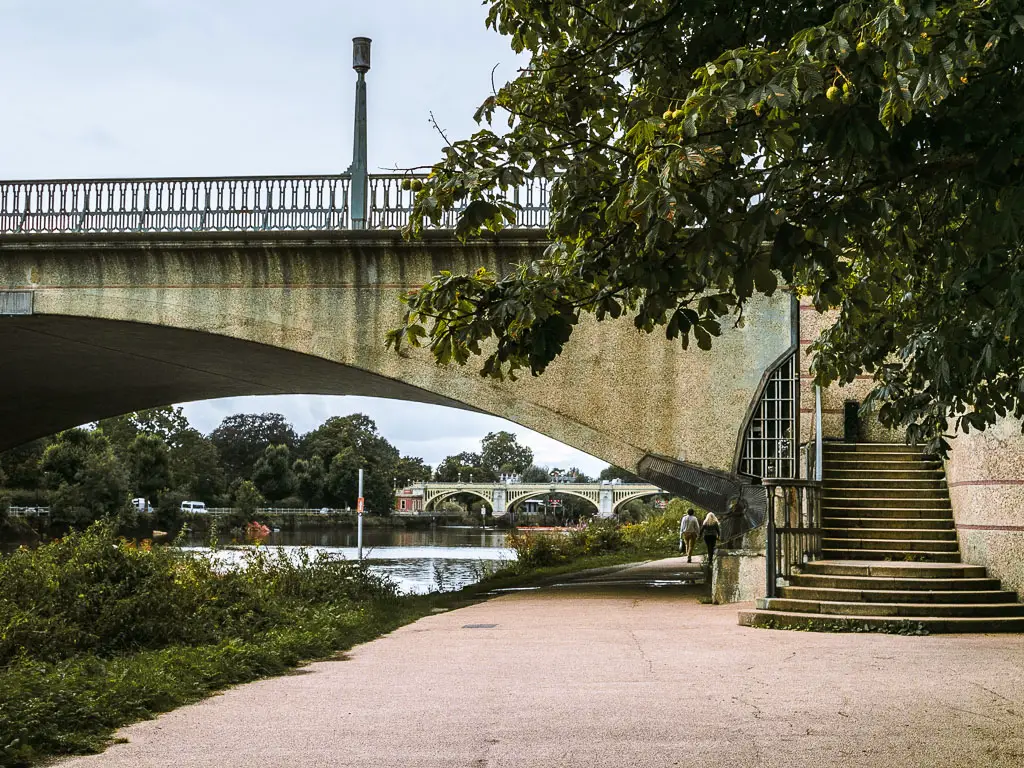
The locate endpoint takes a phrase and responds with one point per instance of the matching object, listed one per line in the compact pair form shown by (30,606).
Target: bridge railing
(224,204)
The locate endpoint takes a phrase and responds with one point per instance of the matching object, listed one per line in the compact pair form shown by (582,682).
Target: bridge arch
(435,500)
(113,323)
(557,491)
(630,497)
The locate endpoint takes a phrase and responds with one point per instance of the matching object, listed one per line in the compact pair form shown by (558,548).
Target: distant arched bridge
(606,497)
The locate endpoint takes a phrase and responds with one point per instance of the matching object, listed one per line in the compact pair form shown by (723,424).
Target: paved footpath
(611,674)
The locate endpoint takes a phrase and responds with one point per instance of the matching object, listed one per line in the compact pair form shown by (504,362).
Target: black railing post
(770,553)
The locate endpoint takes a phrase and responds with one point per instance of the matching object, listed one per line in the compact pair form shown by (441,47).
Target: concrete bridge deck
(610,676)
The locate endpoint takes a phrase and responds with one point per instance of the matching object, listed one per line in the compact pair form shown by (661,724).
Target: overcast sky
(231,87)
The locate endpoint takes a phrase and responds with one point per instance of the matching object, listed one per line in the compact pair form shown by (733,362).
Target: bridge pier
(498,502)
(606,503)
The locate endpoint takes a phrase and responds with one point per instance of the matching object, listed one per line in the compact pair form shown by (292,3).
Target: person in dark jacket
(712,532)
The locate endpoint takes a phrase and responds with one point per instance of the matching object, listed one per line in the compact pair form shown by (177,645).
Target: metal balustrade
(223,204)
(794,534)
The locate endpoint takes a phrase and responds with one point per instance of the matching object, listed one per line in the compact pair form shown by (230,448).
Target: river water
(442,558)
(438,559)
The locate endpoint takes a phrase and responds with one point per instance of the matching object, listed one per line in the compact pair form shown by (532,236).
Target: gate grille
(769,443)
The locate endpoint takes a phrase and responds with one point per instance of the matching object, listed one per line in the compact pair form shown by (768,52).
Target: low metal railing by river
(319,203)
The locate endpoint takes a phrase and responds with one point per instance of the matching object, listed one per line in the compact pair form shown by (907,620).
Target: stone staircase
(891,558)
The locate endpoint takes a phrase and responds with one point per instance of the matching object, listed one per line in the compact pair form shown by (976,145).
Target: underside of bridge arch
(558,492)
(65,371)
(432,504)
(633,497)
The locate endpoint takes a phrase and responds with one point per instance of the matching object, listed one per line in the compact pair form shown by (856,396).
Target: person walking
(689,527)
(712,532)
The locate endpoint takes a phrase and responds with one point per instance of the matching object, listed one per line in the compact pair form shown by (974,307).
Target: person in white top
(689,528)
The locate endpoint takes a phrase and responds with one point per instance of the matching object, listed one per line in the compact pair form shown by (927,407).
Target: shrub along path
(602,674)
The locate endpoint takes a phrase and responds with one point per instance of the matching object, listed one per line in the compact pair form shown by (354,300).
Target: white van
(142,505)
(196,507)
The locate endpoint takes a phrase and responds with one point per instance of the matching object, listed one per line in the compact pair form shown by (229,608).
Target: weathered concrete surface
(599,677)
(131,322)
(738,576)
(985,471)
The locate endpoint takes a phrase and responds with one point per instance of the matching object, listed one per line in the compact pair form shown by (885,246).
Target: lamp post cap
(361,54)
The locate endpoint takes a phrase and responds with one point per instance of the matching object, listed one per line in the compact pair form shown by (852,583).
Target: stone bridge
(119,295)
(606,497)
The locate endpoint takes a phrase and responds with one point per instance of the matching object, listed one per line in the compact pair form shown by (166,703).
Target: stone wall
(833,398)
(985,471)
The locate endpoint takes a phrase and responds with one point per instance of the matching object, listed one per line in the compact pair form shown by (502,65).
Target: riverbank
(96,632)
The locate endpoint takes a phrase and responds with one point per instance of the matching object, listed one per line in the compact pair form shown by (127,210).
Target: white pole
(359,525)
(817,433)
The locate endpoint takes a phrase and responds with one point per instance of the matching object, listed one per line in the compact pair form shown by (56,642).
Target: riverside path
(611,671)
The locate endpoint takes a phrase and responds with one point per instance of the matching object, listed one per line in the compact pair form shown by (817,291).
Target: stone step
(892,523)
(839,510)
(879,489)
(916,534)
(830,448)
(888,483)
(820,623)
(924,594)
(882,473)
(895,583)
(886,502)
(887,545)
(907,610)
(841,461)
(889,569)
(894,555)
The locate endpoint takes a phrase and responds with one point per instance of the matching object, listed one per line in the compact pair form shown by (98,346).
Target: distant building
(409,501)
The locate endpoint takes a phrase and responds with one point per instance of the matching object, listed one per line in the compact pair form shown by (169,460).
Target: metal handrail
(301,203)
(794,530)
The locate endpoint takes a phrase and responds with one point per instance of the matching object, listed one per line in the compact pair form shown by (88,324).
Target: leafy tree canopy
(501,452)
(167,422)
(273,474)
(464,466)
(242,438)
(866,152)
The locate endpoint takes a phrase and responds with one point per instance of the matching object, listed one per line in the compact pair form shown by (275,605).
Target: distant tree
(356,440)
(342,482)
(242,438)
(273,474)
(196,470)
(310,480)
(246,500)
(465,465)
(412,469)
(167,422)
(618,473)
(501,452)
(536,474)
(86,479)
(148,462)
(21,465)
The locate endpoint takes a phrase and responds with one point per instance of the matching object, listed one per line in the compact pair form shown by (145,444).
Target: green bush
(94,593)
(543,549)
(96,631)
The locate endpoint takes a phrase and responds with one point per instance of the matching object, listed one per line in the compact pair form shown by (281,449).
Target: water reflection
(445,557)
